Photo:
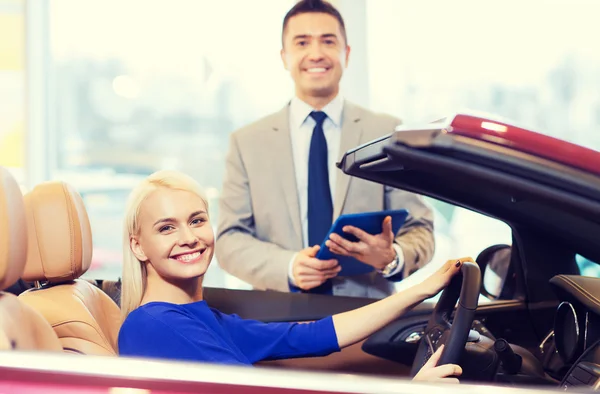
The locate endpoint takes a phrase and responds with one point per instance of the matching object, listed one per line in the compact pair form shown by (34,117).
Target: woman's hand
(430,372)
(441,278)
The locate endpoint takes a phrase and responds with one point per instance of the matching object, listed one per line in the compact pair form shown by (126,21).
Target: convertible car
(539,329)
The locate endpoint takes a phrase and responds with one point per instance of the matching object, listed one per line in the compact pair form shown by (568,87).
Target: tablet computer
(369,222)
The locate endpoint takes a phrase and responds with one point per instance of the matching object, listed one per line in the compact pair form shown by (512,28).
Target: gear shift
(511,362)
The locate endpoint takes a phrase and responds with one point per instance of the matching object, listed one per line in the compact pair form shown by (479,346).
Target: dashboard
(569,355)
(577,329)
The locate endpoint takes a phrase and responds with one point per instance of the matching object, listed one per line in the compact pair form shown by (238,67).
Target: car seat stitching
(71,232)
(82,299)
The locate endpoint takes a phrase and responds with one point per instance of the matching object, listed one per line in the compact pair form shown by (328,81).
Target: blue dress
(196,332)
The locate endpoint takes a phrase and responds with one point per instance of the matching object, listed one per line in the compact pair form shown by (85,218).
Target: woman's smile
(189,257)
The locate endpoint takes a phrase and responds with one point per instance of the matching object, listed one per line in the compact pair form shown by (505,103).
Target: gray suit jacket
(259,227)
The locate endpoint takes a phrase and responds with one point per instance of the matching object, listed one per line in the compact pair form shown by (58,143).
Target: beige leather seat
(85,319)
(21,327)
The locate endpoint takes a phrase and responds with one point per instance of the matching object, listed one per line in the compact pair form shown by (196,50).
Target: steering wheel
(439,331)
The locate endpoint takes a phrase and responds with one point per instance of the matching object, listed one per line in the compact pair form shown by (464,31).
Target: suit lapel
(351,134)
(283,165)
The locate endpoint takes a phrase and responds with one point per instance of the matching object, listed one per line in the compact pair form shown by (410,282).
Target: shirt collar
(299,111)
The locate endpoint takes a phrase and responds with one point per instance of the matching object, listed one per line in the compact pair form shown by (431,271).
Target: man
(282,189)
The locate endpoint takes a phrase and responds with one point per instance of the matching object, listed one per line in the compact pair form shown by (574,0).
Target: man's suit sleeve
(416,236)
(262,264)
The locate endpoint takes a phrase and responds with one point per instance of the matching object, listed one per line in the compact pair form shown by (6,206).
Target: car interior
(21,326)
(542,326)
(84,318)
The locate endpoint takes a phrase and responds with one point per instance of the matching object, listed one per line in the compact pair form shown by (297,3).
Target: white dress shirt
(301,129)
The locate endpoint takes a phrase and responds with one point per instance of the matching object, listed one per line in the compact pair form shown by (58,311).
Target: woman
(168,245)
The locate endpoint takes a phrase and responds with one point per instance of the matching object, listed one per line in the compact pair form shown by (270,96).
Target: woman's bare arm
(356,325)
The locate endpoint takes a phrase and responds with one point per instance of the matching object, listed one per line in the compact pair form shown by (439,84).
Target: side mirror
(494,263)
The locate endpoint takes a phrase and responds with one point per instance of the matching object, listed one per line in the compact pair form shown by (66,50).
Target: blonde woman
(168,245)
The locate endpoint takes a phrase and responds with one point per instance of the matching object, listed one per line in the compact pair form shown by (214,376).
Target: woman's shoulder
(149,313)
(158,307)
(162,311)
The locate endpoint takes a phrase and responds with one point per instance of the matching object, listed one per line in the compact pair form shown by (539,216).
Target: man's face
(315,53)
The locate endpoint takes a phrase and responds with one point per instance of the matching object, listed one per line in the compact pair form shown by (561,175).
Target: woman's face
(175,239)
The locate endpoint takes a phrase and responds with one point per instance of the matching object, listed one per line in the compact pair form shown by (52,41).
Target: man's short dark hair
(314,6)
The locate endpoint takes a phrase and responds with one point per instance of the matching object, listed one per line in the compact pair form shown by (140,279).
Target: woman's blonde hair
(134,271)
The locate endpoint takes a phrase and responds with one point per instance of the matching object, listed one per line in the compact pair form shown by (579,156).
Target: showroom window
(139,86)
(12,87)
(131,87)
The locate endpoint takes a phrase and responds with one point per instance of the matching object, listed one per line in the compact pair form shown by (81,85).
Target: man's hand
(310,272)
(374,250)
(430,372)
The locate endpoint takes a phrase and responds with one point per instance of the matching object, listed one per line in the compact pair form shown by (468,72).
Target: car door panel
(386,352)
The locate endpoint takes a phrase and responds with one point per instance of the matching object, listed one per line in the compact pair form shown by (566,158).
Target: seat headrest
(60,238)
(13,230)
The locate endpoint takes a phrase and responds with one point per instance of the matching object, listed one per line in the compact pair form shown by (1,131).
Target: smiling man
(282,189)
